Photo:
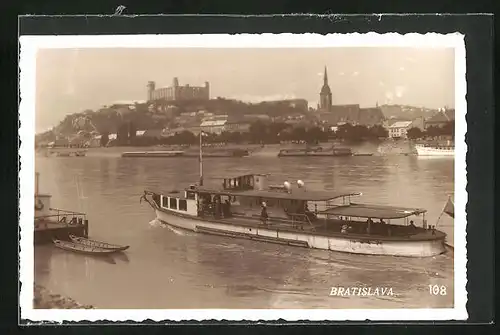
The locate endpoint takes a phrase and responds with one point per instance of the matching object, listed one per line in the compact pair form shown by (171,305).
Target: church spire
(326,94)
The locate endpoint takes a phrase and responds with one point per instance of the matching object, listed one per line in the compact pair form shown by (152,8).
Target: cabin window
(190,195)
(164,202)
(173,203)
(183,205)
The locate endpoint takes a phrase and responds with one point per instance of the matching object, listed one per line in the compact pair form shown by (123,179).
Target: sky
(72,80)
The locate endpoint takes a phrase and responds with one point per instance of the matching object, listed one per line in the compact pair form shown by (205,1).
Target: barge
(66,152)
(246,206)
(316,152)
(52,223)
(186,154)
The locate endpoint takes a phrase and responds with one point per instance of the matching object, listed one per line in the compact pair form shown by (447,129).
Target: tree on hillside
(315,135)
(274,131)
(132,131)
(433,131)
(359,132)
(186,137)
(449,128)
(104,139)
(414,133)
(122,134)
(298,134)
(378,131)
(258,132)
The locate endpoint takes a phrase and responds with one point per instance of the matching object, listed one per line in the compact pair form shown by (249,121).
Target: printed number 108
(437,290)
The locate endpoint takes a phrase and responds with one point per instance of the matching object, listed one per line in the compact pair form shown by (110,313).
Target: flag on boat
(449,208)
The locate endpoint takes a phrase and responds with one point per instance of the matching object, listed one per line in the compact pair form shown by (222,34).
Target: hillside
(404,112)
(158,115)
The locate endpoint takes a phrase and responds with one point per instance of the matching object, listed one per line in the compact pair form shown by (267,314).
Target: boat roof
(295,194)
(373,211)
(179,194)
(242,174)
(153,152)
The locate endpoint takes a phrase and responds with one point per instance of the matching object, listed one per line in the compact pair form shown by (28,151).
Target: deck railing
(293,220)
(301,218)
(61,216)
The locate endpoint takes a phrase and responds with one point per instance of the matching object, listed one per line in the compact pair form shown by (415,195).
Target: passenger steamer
(247,207)
(435,150)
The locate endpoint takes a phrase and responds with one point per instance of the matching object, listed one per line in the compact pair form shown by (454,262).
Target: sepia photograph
(290,176)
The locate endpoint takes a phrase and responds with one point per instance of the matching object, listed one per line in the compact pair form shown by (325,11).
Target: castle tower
(325,96)
(207,90)
(151,89)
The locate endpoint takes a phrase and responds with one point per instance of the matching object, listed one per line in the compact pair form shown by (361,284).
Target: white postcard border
(29,47)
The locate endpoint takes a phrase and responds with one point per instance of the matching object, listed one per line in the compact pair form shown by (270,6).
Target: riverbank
(44,299)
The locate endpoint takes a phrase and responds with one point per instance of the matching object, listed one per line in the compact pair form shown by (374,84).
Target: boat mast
(37,183)
(201,159)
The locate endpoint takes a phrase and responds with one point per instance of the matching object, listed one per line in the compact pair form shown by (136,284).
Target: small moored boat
(83,249)
(98,244)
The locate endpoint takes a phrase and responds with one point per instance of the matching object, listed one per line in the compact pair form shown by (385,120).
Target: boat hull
(316,154)
(434,151)
(82,249)
(181,154)
(98,244)
(67,152)
(348,244)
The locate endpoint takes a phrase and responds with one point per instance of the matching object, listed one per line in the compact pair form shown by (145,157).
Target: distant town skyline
(72,80)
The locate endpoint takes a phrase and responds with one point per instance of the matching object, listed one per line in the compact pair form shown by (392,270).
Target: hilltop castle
(177,92)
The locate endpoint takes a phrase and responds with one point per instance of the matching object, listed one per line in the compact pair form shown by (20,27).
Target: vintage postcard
(243,177)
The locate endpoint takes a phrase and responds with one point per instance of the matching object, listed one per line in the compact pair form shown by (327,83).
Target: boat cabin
(246,195)
(249,196)
(375,219)
(178,202)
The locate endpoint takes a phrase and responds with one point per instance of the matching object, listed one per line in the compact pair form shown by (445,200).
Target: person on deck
(263,214)
(312,217)
(217,207)
(369,223)
(227,208)
(412,225)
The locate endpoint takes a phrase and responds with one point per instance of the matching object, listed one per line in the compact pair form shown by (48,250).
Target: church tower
(325,96)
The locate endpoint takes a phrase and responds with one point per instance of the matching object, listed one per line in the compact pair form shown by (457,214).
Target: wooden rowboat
(97,244)
(84,249)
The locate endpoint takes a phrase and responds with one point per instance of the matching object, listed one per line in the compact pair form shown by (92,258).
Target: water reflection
(165,268)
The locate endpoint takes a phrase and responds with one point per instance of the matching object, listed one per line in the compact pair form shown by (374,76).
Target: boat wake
(177,231)
(156,223)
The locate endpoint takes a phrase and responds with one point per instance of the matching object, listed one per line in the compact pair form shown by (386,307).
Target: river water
(167,268)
